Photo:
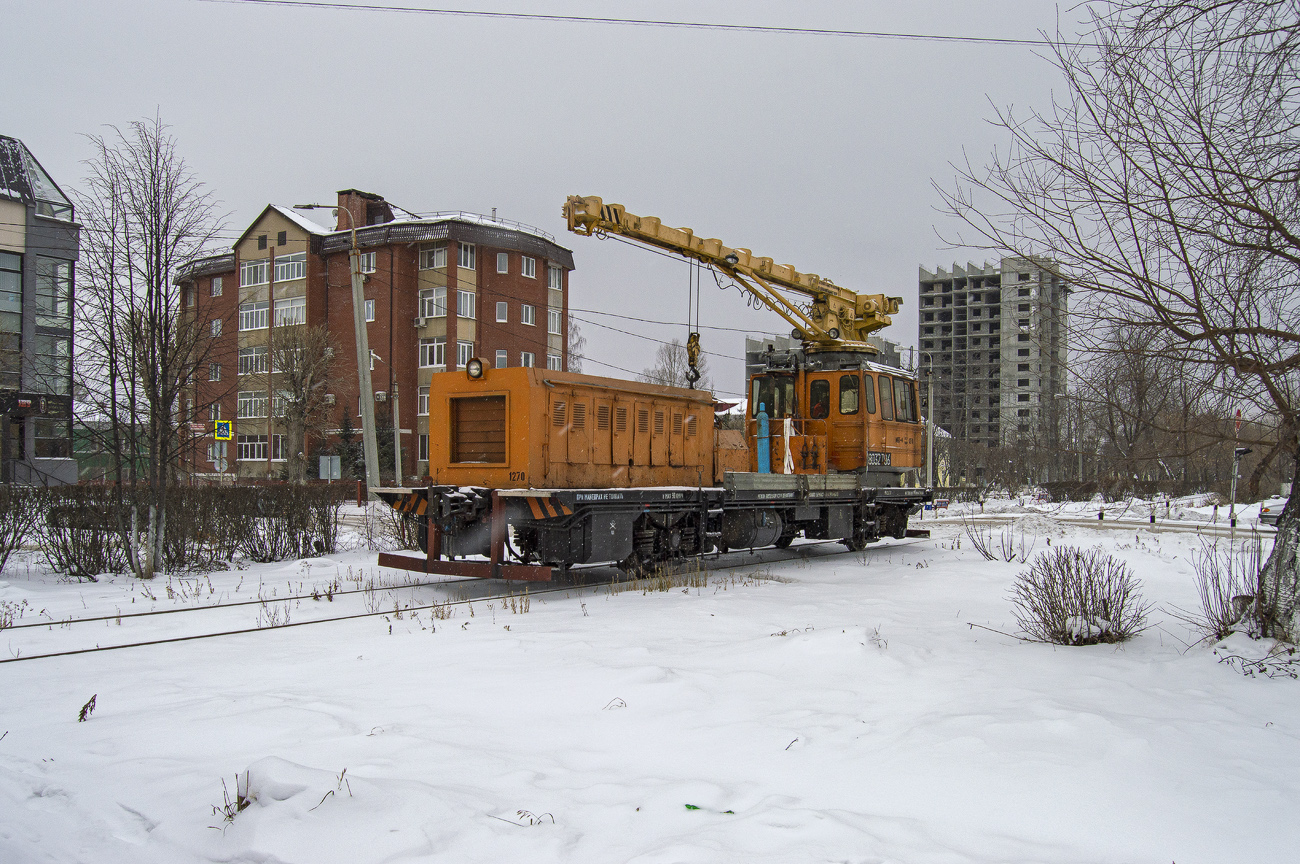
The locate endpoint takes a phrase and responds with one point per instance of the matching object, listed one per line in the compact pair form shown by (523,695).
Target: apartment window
(1023,322)
(503,358)
(465,304)
(253,315)
(214,411)
(279,452)
(465,260)
(1024,412)
(422,402)
(1024,277)
(1022,352)
(424,448)
(527,314)
(367,262)
(528,266)
(433,303)
(1023,367)
(216,327)
(1023,292)
(464,353)
(553,321)
(216,450)
(528,359)
(214,371)
(1022,382)
(554,278)
(433,257)
(555,362)
(253,361)
(254,272)
(503,311)
(1023,397)
(503,262)
(54,293)
(433,352)
(189,296)
(216,288)
(370,310)
(290,267)
(53,361)
(290,310)
(1023,337)
(252,448)
(282,400)
(251,404)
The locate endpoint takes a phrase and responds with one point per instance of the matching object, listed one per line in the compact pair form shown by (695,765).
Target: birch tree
(140,346)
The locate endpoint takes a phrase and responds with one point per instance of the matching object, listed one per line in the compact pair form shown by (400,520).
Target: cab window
(775,393)
(848,394)
(819,395)
(869,393)
(886,398)
(903,399)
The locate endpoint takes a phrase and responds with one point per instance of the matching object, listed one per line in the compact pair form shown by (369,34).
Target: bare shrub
(1070,596)
(79,534)
(1013,548)
(1227,582)
(279,522)
(19,510)
(980,537)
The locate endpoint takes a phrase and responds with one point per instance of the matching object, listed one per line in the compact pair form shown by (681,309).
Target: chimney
(366,208)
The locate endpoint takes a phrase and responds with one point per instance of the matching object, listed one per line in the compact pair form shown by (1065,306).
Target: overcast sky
(816,151)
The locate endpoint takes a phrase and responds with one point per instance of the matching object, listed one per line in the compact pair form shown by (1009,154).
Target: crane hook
(693,359)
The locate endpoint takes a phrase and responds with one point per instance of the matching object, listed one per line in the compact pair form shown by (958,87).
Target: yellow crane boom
(836,320)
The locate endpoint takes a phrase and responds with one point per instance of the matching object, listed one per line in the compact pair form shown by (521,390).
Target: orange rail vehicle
(534,471)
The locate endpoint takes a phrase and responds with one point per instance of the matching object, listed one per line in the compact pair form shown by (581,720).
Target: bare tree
(672,365)
(1164,181)
(140,346)
(303,362)
(577,344)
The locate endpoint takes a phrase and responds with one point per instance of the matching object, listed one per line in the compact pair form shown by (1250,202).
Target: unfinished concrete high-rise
(997,336)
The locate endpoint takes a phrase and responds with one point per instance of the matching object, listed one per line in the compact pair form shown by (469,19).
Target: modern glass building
(39,241)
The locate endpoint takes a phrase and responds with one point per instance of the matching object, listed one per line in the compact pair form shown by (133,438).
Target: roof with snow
(23,179)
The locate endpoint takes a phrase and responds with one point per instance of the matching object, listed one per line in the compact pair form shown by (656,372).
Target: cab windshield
(774,392)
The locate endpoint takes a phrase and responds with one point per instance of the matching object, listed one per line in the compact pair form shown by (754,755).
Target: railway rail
(767,556)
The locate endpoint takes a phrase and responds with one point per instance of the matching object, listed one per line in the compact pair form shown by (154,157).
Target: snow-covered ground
(825,708)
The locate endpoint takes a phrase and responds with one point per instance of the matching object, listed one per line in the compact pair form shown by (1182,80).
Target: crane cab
(836,420)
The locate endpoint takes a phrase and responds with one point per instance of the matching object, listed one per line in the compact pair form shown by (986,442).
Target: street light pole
(929,422)
(1232,506)
(368,437)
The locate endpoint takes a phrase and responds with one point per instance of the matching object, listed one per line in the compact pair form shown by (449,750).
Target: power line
(651,22)
(670,323)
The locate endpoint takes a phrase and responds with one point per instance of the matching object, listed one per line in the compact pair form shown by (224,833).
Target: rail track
(583,583)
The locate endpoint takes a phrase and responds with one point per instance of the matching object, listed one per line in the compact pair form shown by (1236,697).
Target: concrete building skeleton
(998,338)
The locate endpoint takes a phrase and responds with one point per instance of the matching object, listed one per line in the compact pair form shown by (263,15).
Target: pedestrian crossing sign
(223,431)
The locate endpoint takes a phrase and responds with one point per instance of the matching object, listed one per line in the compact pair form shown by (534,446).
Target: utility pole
(929,422)
(397,431)
(368,438)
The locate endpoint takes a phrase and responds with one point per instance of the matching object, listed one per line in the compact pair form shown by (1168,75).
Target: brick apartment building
(439,291)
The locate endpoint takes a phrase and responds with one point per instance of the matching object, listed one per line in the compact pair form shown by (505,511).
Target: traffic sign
(223,430)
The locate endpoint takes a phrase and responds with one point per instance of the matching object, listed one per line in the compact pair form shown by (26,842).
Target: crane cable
(693,324)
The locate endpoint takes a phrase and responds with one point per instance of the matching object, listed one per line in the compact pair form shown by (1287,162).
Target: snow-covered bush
(1071,596)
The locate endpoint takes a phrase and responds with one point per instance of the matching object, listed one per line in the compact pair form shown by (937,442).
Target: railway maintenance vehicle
(533,471)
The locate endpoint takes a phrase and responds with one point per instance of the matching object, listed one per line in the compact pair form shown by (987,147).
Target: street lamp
(1232,506)
(368,438)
